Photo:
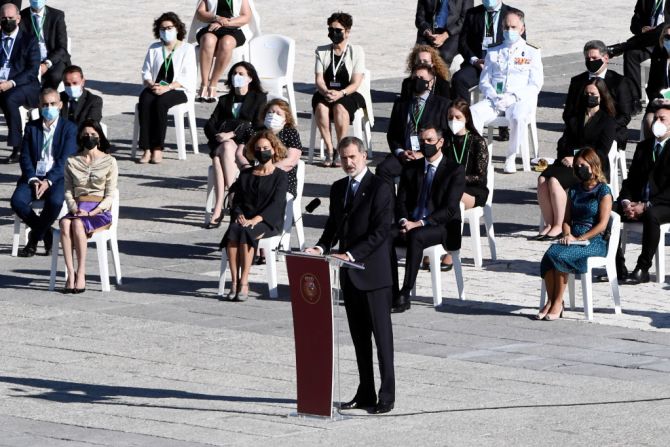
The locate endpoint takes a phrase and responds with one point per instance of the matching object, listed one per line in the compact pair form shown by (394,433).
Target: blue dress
(584,213)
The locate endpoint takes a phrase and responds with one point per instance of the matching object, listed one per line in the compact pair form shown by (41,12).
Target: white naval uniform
(517,68)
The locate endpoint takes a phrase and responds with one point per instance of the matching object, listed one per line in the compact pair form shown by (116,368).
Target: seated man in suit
(428,206)
(407,117)
(439,22)
(645,195)
(596,59)
(360,220)
(47,144)
(19,62)
(510,83)
(79,104)
(47,24)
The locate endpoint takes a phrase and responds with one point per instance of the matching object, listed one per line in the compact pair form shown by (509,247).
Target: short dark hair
(420,66)
(104,143)
(348,141)
(595,45)
(429,126)
(343,18)
(254,85)
(170,17)
(517,12)
(49,91)
(73,69)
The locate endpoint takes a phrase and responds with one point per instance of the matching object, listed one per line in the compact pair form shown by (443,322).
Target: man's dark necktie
(489,23)
(349,198)
(422,205)
(71,110)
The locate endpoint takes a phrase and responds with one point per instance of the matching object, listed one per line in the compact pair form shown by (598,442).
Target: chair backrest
(614,170)
(490,176)
(273,55)
(615,234)
(115,212)
(611,155)
(364,90)
(300,175)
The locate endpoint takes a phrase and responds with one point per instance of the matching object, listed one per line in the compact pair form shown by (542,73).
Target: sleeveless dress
(584,211)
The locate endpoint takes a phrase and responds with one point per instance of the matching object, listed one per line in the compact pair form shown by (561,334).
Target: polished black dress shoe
(356,405)
(28,251)
(402,304)
(446,267)
(13,158)
(383,407)
(617,49)
(638,276)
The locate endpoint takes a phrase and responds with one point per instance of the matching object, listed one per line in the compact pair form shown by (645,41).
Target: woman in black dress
(425,54)
(593,126)
(339,72)
(226,129)
(257,211)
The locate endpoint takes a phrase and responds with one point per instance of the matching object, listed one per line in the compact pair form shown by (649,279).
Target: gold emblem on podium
(310,289)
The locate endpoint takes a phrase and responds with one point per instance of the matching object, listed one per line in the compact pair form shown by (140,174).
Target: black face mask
(8,26)
(428,150)
(594,66)
(89,142)
(592,101)
(263,156)
(420,85)
(583,173)
(336,36)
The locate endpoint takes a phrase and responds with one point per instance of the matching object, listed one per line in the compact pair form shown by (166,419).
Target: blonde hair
(283,105)
(275,142)
(590,156)
(439,66)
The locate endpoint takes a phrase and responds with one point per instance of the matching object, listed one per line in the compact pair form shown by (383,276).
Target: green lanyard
(465,142)
(230,5)
(46,144)
(486,23)
(38,32)
(167,60)
(417,119)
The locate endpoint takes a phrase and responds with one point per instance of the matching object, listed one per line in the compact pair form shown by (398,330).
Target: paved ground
(159,361)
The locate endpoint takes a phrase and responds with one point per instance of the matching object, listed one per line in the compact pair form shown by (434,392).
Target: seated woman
(338,74)
(593,126)
(235,113)
(219,26)
(586,218)
(169,76)
(258,207)
(658,79)
(90,181)
(425,54)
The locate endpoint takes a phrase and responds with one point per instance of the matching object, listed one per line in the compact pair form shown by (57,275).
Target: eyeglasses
(167,28)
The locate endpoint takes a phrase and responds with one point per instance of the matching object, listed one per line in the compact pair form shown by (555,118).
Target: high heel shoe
(550,317)
(202,96)
(211,94)
(232,293)
(240,295)
(214,223)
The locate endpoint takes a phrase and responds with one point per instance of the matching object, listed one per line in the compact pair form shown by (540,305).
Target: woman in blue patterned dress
(586,217)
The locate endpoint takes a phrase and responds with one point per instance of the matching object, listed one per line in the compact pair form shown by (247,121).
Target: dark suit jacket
(250,111)
(89,106)
(643,169)
(364,231)
(64,145)
(435,112)
(621,89)
(658,72)
(642,14)
(471,39)
(426,10)
(445,196)
(599,133)
(55,33)
(24,61)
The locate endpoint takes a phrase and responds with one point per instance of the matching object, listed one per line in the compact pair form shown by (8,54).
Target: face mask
(50,113)
(274,122)
(511,35)
(592,101)
(73,91)
(168,35)
(263,156)
(666,45)
(37,4)
(239,81)
(428,150)
(659,129)
(8,26)
(336,36)
(490,4)
(583,173)
(420,86)
(456,126)
(89,142)
(594,65)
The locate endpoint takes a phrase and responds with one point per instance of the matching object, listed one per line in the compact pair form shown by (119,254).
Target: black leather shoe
(28,251)
(48,242)
(638,276)
(356,405)
(383,407)
(402,304)
(616,50)
(503,134)
(13,158)
(446,267)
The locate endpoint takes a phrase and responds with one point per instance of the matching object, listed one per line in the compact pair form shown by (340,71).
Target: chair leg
(209,202)
(116,261)
(101,248)
(271,272)
(299,228)
(368,138)
(17,236)
(660,260)
(525,149)
(222,273)
(193,127)
(181,136)
(543,293)
(490,232)
(587,295)
(614,287)
(54,259)
(571,291)
(312,141)
(476,241)
(136,132)
(458,273)
(436,277)
(624,238)
(285,241)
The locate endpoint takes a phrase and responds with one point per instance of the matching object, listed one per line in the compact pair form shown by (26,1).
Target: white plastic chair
(211,195)
(645,67)
(177,112)
(273,56)
(361,127)
(473,216)
(294,213)
(101,239)
(36,205)
(613,156)
(594,262)
(501,121)
(434,253)
(659,257)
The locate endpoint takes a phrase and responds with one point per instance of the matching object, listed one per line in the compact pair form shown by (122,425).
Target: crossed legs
(552,199)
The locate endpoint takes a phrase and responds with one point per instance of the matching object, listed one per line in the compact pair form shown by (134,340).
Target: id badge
(414,142)
(163,83)
(4,73)
(488,41)
(41,170)
(43,50)
(500,87)
(335,85)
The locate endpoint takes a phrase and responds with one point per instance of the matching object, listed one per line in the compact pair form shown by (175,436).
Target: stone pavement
(159,361)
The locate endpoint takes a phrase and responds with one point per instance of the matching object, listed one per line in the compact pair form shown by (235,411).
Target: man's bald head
(9,10)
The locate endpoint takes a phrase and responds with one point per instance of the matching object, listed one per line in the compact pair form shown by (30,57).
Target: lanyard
(417,119)
(7,52)
(38,32)
(465,142)
(230,5)
(167,60)
(336,68)
(486,23)
(46,144)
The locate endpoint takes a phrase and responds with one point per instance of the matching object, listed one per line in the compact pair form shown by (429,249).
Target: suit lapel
(361,192)
(248,102)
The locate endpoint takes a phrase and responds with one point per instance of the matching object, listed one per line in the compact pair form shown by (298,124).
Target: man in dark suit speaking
(360,220)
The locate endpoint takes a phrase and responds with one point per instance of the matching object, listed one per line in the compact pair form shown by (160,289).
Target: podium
(314,282)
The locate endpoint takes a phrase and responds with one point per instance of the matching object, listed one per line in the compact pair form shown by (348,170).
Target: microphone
(314,204)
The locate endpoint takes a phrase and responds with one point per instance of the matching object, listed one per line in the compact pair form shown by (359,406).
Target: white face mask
(239,81)
(456,126)
(274,121)
(659,129)
(169,35)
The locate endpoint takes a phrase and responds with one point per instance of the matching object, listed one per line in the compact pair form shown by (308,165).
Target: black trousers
(369,313)
(417,240)
(10,100)
(463,80)
(448,50)
(651,234)
(631,67)
(53,202)
(389,170)
(53,76)
(153,111)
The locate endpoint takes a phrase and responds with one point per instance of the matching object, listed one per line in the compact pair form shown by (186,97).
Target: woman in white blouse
(169,76)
